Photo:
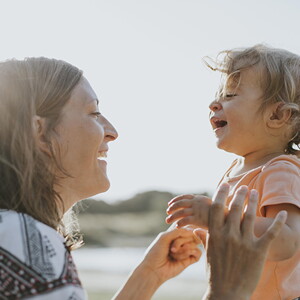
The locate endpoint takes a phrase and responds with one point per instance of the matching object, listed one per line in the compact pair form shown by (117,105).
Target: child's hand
(189,210)
(182,247)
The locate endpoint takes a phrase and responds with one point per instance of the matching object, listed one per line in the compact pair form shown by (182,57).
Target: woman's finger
(216,212)
(236,210)
(273,231)
(247,226)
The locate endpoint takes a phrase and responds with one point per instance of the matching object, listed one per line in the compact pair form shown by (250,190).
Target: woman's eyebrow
(93,100)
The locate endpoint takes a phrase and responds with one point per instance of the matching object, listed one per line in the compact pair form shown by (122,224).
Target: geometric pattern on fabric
(36,252)
(18,280)
(74,296)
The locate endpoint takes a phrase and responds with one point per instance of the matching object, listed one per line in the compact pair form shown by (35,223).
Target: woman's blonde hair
(29,88)
(278,72)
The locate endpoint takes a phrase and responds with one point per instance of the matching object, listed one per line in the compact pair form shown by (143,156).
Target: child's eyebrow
(233,85)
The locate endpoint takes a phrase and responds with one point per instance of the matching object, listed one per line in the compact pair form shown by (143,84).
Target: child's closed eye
(228,96)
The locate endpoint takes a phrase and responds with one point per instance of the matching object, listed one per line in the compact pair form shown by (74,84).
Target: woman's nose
(215,106)
(110,132)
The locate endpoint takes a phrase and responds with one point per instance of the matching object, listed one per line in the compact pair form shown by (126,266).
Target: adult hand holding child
(235,256)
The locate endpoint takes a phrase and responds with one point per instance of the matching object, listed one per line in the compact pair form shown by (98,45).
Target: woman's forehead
(84,94)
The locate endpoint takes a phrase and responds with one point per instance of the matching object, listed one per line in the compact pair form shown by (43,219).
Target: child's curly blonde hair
(279,78)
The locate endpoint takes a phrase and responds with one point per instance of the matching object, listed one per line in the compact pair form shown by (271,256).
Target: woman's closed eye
(96,114)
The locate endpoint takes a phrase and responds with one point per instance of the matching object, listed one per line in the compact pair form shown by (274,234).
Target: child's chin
(220,145)
(225,148)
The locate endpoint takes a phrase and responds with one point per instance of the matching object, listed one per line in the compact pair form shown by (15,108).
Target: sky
(144,60)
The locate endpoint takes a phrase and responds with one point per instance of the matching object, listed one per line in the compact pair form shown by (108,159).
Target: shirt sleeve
(278,183)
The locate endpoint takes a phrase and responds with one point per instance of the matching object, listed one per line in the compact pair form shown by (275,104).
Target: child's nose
(215,106)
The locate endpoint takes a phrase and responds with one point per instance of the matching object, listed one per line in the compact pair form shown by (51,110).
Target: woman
(53,139)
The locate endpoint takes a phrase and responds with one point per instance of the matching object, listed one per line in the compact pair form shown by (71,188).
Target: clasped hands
(230,233)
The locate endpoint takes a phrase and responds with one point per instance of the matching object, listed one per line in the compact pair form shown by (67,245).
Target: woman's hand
(235,256)
(171,252)
(158,265)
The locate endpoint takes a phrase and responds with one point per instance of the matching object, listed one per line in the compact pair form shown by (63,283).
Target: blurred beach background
(104,270)
(144,60)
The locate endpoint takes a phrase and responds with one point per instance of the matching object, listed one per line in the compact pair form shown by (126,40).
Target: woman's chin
(103,185)
(105,188)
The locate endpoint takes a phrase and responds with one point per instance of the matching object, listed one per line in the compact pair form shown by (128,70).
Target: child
(257,116)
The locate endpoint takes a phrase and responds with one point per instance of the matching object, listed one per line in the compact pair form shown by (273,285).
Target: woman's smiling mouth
(102,155)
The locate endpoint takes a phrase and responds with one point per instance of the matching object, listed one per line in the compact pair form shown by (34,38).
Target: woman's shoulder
(25,237)
(36,252)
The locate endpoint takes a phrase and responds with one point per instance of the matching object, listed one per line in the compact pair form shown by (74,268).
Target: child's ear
(278,116)
(39,128)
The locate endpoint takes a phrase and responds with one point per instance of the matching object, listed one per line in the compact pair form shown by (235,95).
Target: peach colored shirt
(277,182)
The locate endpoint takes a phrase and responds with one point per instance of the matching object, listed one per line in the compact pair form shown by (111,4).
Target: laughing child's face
(235,116)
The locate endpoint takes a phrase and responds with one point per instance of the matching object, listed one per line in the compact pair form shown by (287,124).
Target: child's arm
(288,241)
(194,210)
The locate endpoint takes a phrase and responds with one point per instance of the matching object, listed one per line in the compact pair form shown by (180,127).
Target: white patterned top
(34,262)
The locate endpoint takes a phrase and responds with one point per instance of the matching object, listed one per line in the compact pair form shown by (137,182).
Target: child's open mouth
(217,123)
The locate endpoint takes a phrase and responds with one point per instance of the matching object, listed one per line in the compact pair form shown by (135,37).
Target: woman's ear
(278,116)
(39,128)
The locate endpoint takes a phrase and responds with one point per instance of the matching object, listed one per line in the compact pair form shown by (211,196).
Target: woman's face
(83,136)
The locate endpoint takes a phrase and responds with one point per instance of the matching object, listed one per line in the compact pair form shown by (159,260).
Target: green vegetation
(133,222)
(143,202)
(129,223)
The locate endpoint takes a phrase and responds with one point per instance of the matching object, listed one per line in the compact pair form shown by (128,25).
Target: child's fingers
(179,214)
(181,197)
(177,198)
(179,243)
(250,214)
(183,203)
(216,213)
(190,258)
(273,231)
(167,237)
(235,214)
(188,250)
(189,246)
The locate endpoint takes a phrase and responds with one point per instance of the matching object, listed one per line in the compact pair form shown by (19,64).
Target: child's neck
(252,161)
